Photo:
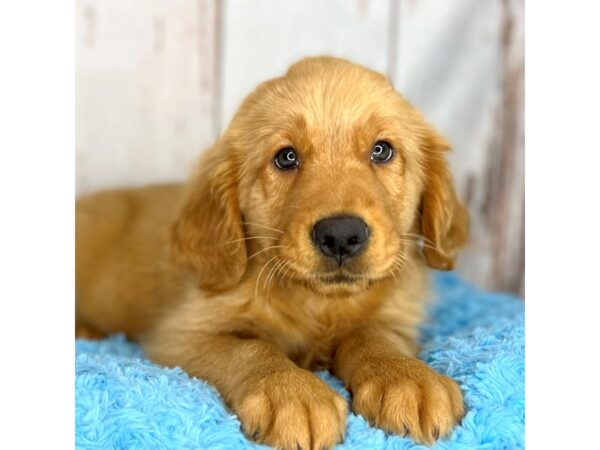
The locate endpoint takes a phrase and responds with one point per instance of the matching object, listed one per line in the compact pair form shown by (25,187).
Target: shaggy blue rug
(125,402)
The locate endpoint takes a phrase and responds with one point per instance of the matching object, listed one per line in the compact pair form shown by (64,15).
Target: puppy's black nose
(340,237)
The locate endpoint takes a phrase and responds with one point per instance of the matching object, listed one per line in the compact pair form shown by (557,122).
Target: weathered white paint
(157,80)
(145,89)
(264,37)
(451,64)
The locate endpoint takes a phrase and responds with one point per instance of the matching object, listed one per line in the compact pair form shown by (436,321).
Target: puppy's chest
(310,333)
(311,348)
(316,355)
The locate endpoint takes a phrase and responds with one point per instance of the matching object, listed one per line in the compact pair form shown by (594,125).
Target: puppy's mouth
(339,278)
(338,283)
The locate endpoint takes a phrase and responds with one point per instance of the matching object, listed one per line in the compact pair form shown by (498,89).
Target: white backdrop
(157,80)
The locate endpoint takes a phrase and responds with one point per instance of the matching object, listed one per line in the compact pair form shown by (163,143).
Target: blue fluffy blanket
(124,401)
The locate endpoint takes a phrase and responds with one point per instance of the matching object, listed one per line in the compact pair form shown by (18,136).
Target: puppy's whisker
(271,274)
(249,238)
(259,275)
(264,250)
(266,280)
(264,226)
(436,248)
(291,273)
(289,269)
(418,237)
(410,241)
(279,272)
(402,259)
(272,277)
(432,247)
(398,263)
(423,243)
(394,268)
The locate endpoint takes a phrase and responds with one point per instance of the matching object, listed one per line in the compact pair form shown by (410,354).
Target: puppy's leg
(278,403)
(86,332)
(394,390)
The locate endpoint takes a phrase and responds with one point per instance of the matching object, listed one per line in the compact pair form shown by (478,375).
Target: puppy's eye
(382,152)
(286,159)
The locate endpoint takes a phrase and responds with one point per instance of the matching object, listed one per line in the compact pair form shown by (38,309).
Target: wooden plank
(461,63)
(264,37)
(145,89)
(155,84)
(508,219)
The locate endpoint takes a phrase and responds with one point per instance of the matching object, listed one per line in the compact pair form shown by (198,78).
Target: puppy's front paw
(294,410)
(407,397)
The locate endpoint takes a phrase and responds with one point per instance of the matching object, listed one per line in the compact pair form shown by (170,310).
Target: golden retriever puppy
(301,243)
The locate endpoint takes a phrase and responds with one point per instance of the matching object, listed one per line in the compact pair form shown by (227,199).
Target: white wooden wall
(157,80)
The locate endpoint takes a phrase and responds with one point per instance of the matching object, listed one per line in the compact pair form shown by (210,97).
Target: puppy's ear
(444,220)
(208,232)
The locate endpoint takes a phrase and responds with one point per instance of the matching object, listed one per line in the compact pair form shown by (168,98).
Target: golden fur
(220,276)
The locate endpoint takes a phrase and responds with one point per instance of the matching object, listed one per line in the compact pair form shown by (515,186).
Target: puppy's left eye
(286,159)
(382,152)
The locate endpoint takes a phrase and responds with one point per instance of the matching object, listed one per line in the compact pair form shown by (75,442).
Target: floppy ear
(444,220)
(208,232)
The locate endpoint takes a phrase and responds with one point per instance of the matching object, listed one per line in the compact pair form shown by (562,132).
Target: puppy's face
(332,174)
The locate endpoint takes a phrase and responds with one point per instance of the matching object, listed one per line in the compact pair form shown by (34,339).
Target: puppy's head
(326,176)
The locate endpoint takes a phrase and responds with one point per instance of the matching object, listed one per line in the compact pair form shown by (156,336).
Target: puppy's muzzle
(341,237)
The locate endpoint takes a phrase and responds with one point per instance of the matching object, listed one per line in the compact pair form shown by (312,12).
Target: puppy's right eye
(286,159)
